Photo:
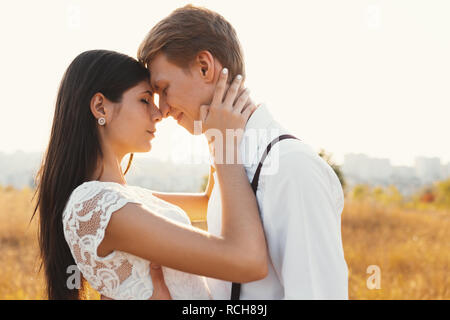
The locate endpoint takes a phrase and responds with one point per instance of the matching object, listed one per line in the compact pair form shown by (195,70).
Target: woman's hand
(226,118)
(160,290)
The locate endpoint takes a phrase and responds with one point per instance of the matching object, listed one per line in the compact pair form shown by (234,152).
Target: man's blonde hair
(189,30)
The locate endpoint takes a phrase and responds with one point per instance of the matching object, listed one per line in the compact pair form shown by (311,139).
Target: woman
(90,217)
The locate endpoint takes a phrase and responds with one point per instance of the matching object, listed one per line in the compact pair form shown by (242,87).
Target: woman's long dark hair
(73,152)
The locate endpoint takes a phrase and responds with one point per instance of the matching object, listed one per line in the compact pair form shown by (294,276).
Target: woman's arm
(240,253)
(194,204)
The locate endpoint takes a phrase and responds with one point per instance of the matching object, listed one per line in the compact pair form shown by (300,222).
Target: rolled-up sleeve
(301,209)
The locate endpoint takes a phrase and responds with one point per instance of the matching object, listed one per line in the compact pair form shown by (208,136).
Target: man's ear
(205,65)
(97,106)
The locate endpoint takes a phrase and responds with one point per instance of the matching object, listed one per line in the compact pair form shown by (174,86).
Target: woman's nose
(156,115)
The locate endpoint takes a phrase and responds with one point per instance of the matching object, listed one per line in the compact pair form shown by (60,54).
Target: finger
(242,101)
(156,273)
(248,104)
(160,290)
(248,111)
(204,110)
(220,88)
(155,266)
(241,91)
(157,276)
(232,91)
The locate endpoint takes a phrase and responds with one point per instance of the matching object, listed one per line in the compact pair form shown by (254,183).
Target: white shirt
(300,200)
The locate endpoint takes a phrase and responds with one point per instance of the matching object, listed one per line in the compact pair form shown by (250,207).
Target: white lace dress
(120,275)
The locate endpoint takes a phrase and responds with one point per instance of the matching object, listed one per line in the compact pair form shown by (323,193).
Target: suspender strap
(236,287)
(255,180)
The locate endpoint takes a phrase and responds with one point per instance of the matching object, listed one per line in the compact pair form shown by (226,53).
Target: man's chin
(187,127)
(191,130)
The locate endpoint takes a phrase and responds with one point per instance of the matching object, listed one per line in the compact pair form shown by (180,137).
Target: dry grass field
(411,249)
(19,258)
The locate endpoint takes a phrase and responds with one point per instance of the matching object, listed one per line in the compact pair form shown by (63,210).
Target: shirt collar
(260,118)
(256,135)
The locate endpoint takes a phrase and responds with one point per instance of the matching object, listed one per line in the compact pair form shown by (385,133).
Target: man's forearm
(194,204)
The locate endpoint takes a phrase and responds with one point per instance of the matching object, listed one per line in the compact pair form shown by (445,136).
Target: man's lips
(179,116)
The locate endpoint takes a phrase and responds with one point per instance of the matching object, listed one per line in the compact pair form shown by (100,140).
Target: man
(299,195)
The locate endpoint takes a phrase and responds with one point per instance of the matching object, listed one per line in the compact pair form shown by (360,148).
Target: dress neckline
(107,182)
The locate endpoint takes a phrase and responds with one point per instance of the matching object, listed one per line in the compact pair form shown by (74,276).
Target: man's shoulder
(293,149)
(295,158)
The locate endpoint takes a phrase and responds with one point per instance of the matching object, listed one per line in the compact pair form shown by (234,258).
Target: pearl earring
(101,121)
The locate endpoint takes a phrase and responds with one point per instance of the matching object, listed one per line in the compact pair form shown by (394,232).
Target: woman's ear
(205,65)
(97,106)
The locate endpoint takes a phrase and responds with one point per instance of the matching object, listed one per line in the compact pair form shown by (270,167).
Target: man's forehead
(154,78)
(157,76)
(156,71)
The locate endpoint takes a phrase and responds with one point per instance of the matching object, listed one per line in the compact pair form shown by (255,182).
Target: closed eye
(145,101)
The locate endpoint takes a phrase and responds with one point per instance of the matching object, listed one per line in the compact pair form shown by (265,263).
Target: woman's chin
(144,148)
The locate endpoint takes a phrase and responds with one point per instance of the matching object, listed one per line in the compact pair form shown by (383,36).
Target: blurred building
(19,170)
(446,171)
(428,169)
(368,169)
(361,169)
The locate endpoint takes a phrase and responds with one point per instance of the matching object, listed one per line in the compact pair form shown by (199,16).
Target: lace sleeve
(85,219)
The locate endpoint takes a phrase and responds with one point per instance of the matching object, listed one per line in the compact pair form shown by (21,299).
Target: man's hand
(160,290)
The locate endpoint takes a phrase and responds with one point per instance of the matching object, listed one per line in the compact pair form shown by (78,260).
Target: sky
(356,76)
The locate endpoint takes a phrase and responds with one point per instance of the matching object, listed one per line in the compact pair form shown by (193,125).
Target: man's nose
(164,109)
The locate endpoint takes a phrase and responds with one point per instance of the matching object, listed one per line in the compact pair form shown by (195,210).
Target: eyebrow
(147,91)
(153,84)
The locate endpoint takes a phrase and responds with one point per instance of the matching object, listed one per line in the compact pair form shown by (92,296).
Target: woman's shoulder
(89,189)
(112,194)
(94,193)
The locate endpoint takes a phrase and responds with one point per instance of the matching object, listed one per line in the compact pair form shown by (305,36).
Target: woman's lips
(152,133)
